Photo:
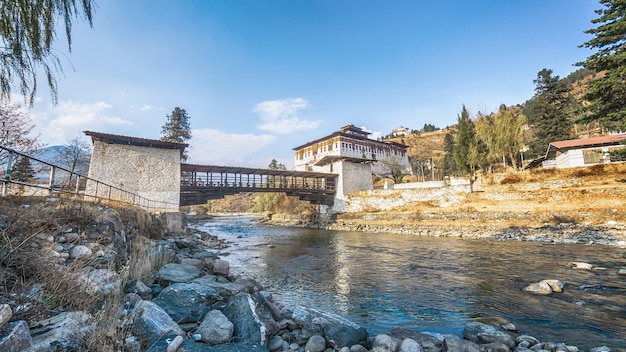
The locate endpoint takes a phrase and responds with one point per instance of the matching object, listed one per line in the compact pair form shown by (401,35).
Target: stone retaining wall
(390,199)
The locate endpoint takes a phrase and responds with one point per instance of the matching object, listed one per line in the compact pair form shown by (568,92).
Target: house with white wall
(582,152)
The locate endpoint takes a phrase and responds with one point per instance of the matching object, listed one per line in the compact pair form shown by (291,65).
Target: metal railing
(63,181)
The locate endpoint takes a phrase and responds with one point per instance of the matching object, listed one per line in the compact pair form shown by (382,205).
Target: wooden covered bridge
(200,183)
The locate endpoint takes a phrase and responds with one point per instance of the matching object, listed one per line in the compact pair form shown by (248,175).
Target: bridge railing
(41,178)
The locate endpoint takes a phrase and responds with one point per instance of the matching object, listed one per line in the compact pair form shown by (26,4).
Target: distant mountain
(54,155)
(50,154)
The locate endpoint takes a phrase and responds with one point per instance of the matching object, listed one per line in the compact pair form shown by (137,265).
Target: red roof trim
(602,140)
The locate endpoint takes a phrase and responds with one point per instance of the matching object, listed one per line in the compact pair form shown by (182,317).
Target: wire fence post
(51,182)
(77,182)
(91,191)
(7,175)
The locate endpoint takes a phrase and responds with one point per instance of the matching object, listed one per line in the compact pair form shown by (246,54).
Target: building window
(593,156)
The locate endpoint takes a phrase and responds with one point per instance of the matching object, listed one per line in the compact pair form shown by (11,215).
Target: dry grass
(40,284)
(527,199)
(111,327)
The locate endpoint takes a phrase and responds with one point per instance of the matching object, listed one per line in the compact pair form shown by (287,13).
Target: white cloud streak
(68,119)
(213,147)
(283,116)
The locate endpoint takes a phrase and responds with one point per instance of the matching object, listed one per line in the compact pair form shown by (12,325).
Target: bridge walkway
(200,183)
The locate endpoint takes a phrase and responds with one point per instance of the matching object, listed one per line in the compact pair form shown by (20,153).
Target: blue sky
(261,77)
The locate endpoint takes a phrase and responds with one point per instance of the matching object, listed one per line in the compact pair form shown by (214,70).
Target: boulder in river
(545,287)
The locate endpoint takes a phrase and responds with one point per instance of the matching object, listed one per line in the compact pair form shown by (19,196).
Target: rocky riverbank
(195,304)
(493,226)
(190,301)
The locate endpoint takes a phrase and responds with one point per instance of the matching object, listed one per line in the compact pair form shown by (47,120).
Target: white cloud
(283,116)
(68,119)
(372,135)
(213,147)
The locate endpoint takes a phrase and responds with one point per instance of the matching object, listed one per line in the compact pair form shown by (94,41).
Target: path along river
(433,284)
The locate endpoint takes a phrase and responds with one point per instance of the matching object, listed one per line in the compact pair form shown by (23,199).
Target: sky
(260,77)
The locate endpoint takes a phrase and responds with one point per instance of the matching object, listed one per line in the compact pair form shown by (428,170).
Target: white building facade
(351,154)
(148,168)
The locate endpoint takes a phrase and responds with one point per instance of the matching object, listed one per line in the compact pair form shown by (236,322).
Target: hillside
(584,201)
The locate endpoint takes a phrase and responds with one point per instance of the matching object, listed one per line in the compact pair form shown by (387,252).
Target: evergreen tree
(28,30)
(548,112)
(429,128)
(22,170)
(464,140)
(477,156)
(177,128)
(448,164)
(607,92)
(275,165)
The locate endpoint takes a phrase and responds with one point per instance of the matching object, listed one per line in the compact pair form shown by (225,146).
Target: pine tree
(22,170)
(548,112)
(177,128)
(275,165)
(449,166)
(465,138)
(607,92)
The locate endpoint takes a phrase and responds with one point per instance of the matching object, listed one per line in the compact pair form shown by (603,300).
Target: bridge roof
(136,141)
(250,171)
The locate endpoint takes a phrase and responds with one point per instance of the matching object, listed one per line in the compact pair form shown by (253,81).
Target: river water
(433,284)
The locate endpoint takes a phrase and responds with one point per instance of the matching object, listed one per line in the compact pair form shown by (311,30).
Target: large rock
(410,345)
(455,344)
(174,222)
(63,332)
(99,282)
(338,331)
(215,328)
(152,323)
(316,343)
(484,334)
(385,343)
(15,336)
(80,252)
(174,273)
(423,339)
(221,267)
(5,314)
(224,289)
(241,311)
(186,303)
(545,287)
(140,288)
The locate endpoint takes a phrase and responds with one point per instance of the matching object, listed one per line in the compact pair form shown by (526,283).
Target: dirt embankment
(582,205)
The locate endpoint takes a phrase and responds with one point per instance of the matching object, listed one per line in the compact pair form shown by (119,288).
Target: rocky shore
(194,303)
(609,234)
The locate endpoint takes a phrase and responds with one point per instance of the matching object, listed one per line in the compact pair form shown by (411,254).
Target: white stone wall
(386,200)
(570,158)
(353,177)
(426,184)
(152,173)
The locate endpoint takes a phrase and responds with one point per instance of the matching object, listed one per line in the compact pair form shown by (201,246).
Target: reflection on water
(434,284)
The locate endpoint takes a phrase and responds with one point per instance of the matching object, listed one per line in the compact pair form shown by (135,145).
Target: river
(433,284)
